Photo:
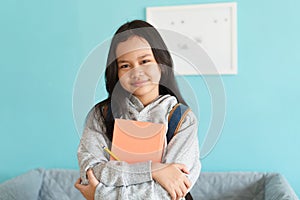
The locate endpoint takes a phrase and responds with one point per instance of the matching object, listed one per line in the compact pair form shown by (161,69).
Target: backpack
(175,119)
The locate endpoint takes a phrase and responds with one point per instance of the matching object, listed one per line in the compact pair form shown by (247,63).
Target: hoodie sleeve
(111,173)
(184,147)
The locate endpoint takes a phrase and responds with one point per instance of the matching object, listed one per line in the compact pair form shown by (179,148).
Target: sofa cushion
(229,186)
(40,184)
(26,186)
(242,186)
(277,187)
(59,184)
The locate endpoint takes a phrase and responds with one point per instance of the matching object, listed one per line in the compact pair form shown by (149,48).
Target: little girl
(141,86)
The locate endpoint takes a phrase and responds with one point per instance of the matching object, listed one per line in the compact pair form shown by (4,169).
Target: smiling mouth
(139,83)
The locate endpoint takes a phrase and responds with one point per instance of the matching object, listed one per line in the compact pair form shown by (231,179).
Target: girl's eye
(124,66)
(145,61)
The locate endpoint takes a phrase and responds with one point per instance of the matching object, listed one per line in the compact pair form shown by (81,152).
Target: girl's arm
(136,180)
(182,156)
(172,177)
(184,147)
(91,155)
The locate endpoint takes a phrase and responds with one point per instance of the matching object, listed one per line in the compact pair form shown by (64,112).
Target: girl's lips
(139,83)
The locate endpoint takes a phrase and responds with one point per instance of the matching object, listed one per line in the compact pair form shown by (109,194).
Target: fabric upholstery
(242,186)
(25,186)
(52,184)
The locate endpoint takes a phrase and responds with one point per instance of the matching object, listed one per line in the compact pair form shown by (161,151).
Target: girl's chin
(147,89)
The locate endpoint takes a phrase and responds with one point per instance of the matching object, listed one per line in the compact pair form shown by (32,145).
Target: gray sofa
(41,184)
(242,186)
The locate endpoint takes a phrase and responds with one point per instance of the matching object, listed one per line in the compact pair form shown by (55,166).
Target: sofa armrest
(277,188)
(26,186)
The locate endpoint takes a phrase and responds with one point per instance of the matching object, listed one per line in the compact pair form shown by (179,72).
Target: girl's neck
(147,99)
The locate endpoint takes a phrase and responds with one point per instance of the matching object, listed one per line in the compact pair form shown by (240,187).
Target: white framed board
(213,27)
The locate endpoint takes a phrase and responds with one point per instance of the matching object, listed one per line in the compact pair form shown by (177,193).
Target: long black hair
(167,84)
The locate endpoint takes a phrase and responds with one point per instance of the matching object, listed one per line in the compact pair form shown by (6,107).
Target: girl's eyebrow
(143,56)
(122,61)
(140,57)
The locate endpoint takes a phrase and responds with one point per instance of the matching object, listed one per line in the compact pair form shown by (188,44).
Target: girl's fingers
(184,189)
(179,193)
(182,167)
(173,195)
(91,177)
(187,183)
(185,170)
(77,184)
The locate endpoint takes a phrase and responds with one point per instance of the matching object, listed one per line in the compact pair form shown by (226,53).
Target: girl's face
(138,70)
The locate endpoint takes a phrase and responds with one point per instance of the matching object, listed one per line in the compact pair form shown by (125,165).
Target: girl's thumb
(91,177)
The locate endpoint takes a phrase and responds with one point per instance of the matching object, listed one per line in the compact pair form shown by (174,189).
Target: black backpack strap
(175,119)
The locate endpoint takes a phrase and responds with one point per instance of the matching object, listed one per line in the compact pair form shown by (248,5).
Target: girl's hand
(172,178)
(88,191)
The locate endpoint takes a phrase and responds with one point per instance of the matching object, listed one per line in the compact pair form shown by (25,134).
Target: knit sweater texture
(120,180)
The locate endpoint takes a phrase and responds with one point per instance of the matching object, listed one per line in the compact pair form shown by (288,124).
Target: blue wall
(44,43)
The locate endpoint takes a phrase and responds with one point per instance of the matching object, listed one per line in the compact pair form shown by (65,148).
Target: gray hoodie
(120,180)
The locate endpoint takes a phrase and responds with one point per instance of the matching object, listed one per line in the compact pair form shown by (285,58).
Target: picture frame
(212,26)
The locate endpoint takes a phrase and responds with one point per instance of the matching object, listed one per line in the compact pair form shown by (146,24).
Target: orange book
(136,141)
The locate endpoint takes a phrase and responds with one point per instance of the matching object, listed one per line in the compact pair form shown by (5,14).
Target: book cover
(136,141)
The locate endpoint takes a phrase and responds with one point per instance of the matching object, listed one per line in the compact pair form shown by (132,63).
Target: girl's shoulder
(99,110)
(102,104)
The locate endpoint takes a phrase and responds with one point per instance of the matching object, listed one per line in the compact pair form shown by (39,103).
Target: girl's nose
(136,72)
